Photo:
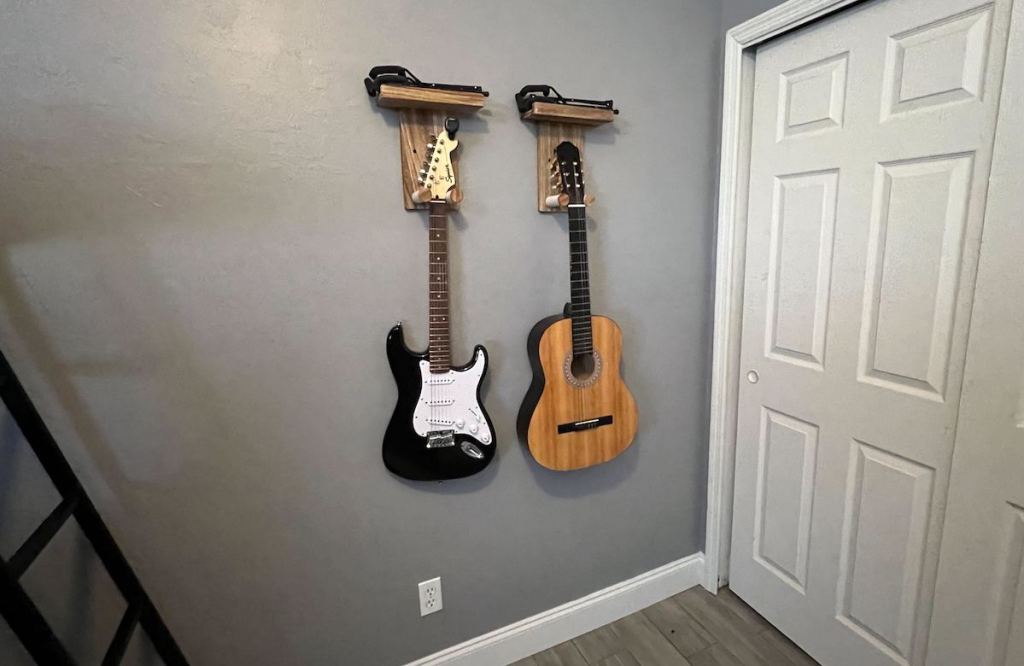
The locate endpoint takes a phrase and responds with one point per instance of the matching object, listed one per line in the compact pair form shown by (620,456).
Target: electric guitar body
(572,422)
(578,411)
(439,429)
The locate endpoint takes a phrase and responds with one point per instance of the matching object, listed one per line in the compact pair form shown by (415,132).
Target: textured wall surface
(202,247)
(735,12)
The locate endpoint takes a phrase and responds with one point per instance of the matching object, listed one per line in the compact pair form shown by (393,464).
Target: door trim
(734,168)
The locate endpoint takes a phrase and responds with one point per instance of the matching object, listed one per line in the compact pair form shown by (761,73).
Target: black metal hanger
(526,98)
(396,75)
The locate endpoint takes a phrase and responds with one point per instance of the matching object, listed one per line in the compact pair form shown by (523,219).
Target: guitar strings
(580,264)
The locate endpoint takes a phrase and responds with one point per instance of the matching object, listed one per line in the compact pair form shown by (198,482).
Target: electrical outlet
(430,596)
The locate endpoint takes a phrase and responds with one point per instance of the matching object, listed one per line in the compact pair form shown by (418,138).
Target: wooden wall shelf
(421,112)
(564,113)
(453,102)
(557,123)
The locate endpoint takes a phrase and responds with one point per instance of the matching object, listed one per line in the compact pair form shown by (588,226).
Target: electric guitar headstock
(437,173)
(567,184)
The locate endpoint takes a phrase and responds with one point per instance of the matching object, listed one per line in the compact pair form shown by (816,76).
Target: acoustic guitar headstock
(567,183)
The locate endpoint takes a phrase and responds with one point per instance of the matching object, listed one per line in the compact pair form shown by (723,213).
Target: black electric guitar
(439,429)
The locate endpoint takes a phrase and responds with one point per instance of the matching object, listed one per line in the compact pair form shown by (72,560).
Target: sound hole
(582,366)
(583,370)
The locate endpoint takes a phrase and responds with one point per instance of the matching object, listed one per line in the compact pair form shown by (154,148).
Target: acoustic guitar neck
(579,281)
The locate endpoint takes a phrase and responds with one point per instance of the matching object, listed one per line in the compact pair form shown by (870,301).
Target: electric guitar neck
(439,312)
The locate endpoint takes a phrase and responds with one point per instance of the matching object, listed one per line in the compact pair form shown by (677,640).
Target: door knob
(752,377)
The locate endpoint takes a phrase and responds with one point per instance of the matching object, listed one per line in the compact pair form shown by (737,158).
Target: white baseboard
(551,627)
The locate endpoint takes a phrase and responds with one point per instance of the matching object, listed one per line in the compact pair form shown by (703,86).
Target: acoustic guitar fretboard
(579,281)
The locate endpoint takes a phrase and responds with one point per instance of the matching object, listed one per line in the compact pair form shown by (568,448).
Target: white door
(979,596)
(870,152)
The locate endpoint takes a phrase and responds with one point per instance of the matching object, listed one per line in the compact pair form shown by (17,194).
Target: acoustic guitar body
(574,420)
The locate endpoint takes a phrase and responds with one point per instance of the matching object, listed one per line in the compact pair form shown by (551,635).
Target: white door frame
(734,169)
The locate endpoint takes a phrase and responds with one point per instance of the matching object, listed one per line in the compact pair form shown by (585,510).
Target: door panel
(813,97)
(870,155)
(915,250)
(785,489)
(938,63)
(979,597)
(800,269)
(885,523)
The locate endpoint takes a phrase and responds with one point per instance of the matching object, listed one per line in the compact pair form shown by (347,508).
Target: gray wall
(735,12)
(202,247)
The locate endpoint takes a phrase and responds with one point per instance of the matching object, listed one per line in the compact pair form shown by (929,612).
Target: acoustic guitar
(439,429)
(578,411)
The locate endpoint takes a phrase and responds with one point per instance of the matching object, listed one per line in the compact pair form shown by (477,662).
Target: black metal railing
(16,606)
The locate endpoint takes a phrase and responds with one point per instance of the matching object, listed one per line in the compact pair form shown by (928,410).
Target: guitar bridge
(588,424)
(440,439)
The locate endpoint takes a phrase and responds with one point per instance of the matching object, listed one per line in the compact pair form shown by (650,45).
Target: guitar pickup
(440,439)
(588,424)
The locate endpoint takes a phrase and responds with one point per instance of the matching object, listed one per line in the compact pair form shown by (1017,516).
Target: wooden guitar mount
(423,109)
(558,119)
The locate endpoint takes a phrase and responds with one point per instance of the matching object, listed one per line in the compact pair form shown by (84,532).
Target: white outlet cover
(430,596)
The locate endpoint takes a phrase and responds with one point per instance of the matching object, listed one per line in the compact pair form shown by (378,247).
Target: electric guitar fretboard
(440,317)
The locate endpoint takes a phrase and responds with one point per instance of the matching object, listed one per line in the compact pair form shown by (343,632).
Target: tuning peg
(430,146)
(557,200)
(421,195)
(589,199)
(454,196)
(451,125)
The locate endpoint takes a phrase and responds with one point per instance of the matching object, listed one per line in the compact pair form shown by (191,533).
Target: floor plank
(643,640)
(716,655)
(735,636)
(620,659)
(748,617)
(791,650)
(685,633)
(693,628)
(599,644)
(564,654)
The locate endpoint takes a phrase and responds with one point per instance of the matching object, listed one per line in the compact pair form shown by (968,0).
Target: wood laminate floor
(693,628)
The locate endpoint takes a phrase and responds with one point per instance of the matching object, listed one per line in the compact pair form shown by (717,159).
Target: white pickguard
(448,402)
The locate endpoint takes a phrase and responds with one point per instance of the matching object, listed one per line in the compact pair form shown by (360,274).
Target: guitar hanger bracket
(396,75)
(541,93)
(423,111)
(558,119)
